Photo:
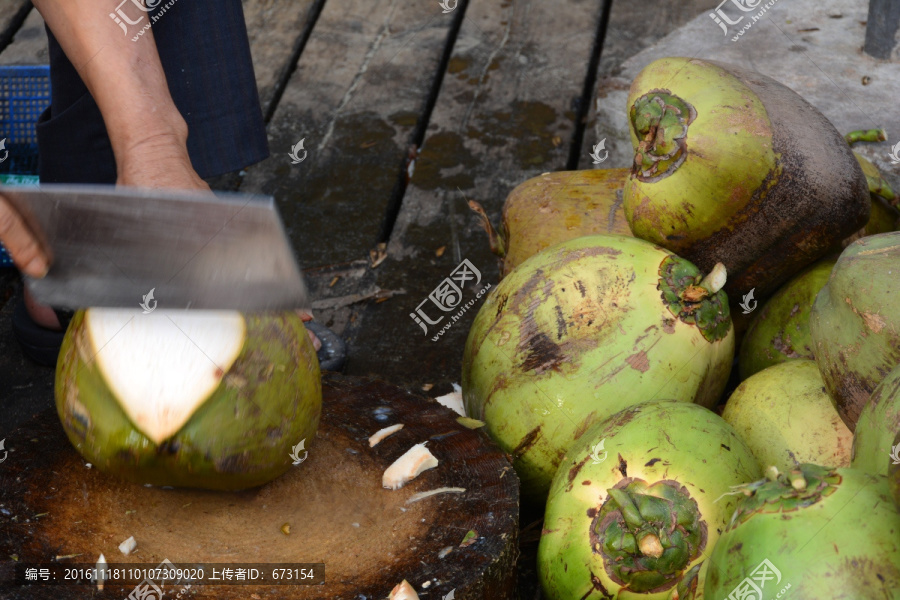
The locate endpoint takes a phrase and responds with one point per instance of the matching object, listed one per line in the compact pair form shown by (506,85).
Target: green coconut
(879,423)
(206,399)
(733,167)
(638,516)
(817,532)
(554,208)
(854,323)
(878,185)
(582,330)
(780,331)
(787,418)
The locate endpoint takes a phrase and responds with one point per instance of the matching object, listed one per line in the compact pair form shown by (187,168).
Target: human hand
(23,245)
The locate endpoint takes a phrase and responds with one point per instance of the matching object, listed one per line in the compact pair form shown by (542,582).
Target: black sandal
(39,343)
(333,352)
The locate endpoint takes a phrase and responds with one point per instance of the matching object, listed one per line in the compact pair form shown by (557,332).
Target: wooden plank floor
(470,103)
(12,14)
(504,114)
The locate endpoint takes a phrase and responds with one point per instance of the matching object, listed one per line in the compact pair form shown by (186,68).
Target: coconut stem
(715,280)
(650,546)
(798,482)
(498,244)
(882,188)
(866,135)
(661,122)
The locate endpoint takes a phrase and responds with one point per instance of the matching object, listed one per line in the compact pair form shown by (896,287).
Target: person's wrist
(159,161)
(152,151)
(169,137)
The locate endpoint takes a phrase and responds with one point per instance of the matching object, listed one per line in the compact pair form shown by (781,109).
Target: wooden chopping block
(369,538)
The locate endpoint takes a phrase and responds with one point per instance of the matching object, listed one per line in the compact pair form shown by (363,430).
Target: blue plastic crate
(24,94)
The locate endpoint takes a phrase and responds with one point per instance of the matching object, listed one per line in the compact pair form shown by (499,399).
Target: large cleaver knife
(112,245)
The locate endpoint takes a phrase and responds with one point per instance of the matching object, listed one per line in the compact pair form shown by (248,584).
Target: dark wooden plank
(274,27)
(12,14)
(354,99)
(29,44)
(369,538)
(504,114)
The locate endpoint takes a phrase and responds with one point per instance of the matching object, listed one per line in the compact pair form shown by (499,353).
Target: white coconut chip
(408,467)
(127,546)
(383,433)
(102,572)
(403,591)
(430,493)
(454,400)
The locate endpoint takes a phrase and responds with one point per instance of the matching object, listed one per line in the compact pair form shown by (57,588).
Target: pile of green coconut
(685,443)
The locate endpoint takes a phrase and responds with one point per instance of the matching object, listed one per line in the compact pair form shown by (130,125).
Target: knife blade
(111,246)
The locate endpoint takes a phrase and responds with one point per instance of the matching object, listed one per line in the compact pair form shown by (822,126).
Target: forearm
(125,77)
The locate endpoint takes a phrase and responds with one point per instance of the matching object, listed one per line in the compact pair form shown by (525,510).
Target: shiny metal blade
(112,245)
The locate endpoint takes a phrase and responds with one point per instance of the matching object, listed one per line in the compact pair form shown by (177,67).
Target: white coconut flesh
(163,366)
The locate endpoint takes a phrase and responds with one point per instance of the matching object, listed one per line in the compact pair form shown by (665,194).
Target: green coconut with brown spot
(780,331)
(855,323)
(584,329)
(638,518)
(732,167)
(814,532)
(204,399)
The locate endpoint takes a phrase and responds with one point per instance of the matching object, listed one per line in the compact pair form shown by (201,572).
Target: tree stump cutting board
(369,538)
